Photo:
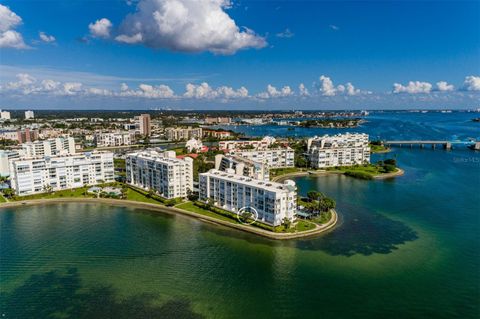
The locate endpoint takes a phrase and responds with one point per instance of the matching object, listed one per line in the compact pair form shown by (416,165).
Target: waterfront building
(162,172)
(264,143)
(38,175)
(273,201)
(113,139)
(272,157)
(5,115)
(143,124)
(338,150)
(180,133)
(217,120)
(29,115)
(50,147)
(218,134)
(242,166)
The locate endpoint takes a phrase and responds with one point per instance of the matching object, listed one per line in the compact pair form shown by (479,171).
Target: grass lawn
(76,192)
(282,171)
(2,199)
(379,148)
(322,218)
(360,171)
(370,169)
(301,225)
(191,207)
(137,196)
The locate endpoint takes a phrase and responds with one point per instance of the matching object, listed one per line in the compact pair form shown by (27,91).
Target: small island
(331,123)
(378,147)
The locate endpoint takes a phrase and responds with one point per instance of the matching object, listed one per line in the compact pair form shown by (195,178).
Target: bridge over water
(433,144)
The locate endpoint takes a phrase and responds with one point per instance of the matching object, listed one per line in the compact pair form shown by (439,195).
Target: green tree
(287,223)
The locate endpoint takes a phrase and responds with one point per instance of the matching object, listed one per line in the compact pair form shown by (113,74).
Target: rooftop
(287,186)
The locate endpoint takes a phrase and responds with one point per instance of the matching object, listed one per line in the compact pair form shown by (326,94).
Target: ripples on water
(405,248)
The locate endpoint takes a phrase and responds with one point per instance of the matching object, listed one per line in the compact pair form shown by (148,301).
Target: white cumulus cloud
(188,26)
(100,28)
(302,90)
(45,37)
(327,88)
(443,86)
(205,91)
(273,92)
(413,87)
(9,38)
(148,91)
(472,83)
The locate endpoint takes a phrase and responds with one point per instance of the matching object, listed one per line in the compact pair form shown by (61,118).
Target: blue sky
(240,54)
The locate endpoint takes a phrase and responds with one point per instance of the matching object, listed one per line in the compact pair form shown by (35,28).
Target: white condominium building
(272,201)
(179,133)
(162,172)
(36,175)
(272,157)
(5,157)
(29,115)
(113,139)
(253,144)
(242,166)
(193,145)
(5,115)
(50,147)
(338,150)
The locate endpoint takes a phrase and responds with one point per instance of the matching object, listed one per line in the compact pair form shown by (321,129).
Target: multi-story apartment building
(113,139)
(5,158)
(36,175)
(5,115)
(338,150)
(218,134)
(50,147)
(27,135)
(242,166)
(179,133)
(272,201)
(143,124)
(162,172)
(272,157)
(29,115)
(217,120)
(254,144)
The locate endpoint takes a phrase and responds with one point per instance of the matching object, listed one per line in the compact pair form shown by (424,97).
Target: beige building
(180,133)
(143,124)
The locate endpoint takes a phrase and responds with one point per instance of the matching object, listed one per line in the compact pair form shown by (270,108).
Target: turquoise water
(405,248)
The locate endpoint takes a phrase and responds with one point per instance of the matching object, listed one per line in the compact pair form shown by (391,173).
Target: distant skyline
(220,54)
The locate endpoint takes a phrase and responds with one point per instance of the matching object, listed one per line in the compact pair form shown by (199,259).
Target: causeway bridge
(433,144)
